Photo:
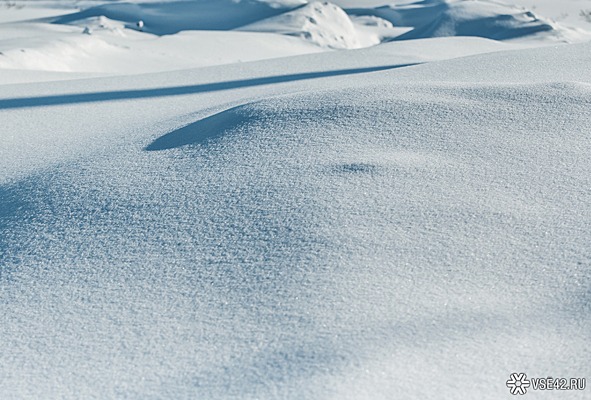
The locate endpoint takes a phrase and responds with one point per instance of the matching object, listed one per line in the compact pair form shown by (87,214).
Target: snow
(221,213)
(568,13)
(324,24)
(108,49)
(481,18)
(168,17)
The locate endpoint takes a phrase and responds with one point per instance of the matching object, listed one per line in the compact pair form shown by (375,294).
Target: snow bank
(112,42)
(327,25)
(329,225)
(324,24)
(168,17)
(344,236)
(482,18)
(113,51)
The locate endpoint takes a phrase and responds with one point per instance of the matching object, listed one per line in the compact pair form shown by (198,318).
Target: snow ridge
(322,23)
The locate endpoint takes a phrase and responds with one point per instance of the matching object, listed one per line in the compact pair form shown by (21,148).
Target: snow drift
(168,17)
(352,234)
(328,25)
(482,18)
(334,225)
(324,24)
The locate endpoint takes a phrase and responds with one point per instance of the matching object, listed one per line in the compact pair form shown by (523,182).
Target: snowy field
(281,199)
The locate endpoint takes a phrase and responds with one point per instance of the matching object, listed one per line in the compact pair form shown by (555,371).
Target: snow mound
(349,235)
(80,53)
(329,26)
(481,18)
(169,17)
(102,23)
(322,23)
(103,45)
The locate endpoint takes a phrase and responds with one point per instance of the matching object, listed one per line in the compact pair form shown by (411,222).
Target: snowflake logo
(518,383)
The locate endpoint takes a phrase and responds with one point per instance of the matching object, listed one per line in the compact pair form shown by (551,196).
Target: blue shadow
(60,99)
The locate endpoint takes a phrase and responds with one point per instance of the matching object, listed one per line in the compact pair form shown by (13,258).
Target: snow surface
(569,13)
(220,213)
(324,24)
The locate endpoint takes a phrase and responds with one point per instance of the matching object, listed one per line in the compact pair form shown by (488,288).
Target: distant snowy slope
(168,17)
(104,36)
(109,48)
(328,25)
(483,18)
(576,13)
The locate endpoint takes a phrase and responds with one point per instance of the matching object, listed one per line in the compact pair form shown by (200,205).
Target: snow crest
(322,23)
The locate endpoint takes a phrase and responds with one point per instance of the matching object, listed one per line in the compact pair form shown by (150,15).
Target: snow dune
(106,38)
(324,24)
(482,18)
(410,219)
(168,17)
(327,24)
(309,238)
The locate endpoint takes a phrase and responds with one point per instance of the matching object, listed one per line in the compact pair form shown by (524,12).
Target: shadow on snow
(60,99)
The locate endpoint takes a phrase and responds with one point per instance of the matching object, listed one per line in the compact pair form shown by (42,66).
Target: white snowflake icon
(518,383)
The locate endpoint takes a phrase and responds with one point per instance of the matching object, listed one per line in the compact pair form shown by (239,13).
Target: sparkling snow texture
(361,224)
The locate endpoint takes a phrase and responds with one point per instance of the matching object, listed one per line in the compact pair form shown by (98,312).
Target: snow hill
(167,17)
(483,18)
(227,214)
(324,24)
(327,24)
(105,38)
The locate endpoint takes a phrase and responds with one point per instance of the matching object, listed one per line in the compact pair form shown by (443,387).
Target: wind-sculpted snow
(324,24)
(408,220)
(327,25)
(168,17)
(349,240)
(119,37)
(482,18)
